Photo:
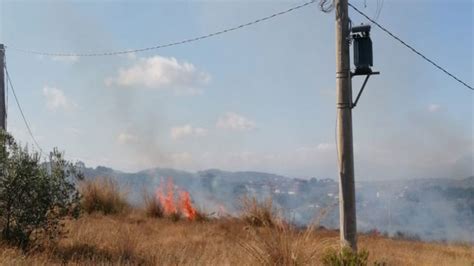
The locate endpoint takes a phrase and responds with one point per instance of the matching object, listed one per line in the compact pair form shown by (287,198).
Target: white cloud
(55,99)
(130,56)
(126,138)
(433,108)
(234,121)
(319,149)
(159,72)
(187,130)
(66,59)
(324,146)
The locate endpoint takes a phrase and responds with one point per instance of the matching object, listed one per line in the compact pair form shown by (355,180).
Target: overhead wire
(30,132)
(411,47)
(111,53)
(159,46)
(324,6)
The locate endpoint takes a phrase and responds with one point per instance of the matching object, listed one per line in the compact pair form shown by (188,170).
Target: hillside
(134,239)
(432,209)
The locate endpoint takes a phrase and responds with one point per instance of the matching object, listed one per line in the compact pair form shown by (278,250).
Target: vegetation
(201,216)
(345,257)
(283,245)
(102,195)
(35,197)
(135,238)
(406,236)
(152,206)
(259,213)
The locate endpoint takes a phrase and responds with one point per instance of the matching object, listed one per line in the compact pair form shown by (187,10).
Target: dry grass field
(110,232)
(135,239)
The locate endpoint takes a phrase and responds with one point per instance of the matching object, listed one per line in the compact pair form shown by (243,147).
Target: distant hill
(434,209)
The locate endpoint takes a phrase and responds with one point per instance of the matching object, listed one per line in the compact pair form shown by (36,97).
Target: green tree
(35,197)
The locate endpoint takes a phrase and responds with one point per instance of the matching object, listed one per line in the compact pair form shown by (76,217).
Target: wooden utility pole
(3,109)
(347,208)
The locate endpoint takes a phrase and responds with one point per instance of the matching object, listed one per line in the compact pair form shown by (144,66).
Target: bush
(279,242)
(153,207)
(345,257)
(34,196)
(102,195)
(201,216)
(175,216)
(259,213)
(282,245)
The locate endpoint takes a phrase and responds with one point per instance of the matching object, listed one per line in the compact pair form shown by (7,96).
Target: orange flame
(170,204)
(186,206)
(167,200)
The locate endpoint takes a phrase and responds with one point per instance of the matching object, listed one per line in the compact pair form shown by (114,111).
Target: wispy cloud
(130,56)
(234,121)
(187,130)
(159,73)
(324,146)
(127,138)
(56,99)
(433,107)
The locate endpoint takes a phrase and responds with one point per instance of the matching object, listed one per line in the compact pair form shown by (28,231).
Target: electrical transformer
(363,59)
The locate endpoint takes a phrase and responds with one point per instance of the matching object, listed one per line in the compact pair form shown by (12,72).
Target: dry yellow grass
(152,206)
(102,195)
(259,213)
(134,238)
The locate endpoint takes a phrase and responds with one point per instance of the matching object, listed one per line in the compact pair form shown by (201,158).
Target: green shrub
(34,196)
(345,257)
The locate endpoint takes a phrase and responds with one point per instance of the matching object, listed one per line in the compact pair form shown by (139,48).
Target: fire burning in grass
(175,206)
(186,206)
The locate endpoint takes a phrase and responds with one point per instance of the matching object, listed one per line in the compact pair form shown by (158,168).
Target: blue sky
(261,98)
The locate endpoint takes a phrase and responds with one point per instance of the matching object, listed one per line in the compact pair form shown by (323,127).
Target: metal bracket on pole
(363,86)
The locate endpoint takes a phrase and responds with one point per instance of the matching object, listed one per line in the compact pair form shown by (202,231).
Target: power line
(411,48)
(202,37)
(21,112)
